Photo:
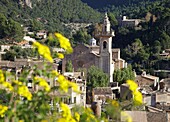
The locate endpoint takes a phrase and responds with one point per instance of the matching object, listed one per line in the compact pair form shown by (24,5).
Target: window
(80,88)
(48,83)
(29,83)
(104,45)
(74,99)
(105,28)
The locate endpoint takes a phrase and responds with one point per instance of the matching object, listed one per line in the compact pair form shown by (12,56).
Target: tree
(164,39)
(81,37)
(36,25)
(122,75)
(10,29)
(3,20)
(112,19)
(156,47)
(96,77)
(69,66)
(136,46)
(9,55)
(14,30)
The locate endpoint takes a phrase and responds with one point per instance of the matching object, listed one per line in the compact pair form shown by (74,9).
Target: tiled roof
(150,77)
(137,116)
(143,79)
(156,117)
(102,90)
(19,64)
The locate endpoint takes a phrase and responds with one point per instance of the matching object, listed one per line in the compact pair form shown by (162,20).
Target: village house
(137,116)
(5,47)
(78,78)
(124,22)
(101,56)
(18,65)
(146,116)
(147,80)
(23,44)
(71,98)
(125,93)
(102,94)
(165,53)
(41,34)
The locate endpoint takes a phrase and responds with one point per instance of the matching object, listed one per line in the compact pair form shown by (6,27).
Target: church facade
(101,56)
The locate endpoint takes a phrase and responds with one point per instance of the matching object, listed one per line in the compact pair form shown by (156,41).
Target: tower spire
(106,24)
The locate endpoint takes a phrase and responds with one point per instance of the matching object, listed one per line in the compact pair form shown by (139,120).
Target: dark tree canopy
(69,66)
(96,77)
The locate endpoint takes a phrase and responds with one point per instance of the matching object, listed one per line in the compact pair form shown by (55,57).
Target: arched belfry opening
(104,45)
(105,29)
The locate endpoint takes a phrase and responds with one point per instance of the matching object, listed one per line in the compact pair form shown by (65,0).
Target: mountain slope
(98,4)
(49,13)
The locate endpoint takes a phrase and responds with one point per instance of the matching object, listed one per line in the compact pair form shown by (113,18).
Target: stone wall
(81,58)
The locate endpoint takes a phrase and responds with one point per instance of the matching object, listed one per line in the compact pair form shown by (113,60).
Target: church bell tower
(105,38)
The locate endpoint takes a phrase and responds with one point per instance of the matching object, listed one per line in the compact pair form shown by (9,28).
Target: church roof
(95,53)
(86,45)
(92,40)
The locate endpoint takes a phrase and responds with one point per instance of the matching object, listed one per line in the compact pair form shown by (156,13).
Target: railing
(110,33)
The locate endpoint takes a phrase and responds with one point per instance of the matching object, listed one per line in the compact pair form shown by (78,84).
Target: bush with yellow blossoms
(19,104)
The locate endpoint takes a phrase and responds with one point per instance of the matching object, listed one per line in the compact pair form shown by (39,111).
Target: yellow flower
(55,73)
(17,82)
(2,78)
(88,110)
(3,109)
(43,83)
(126,116)
(137,98)
(74,86)
(44,121)
(132,85)
(66,114)
(66,111)
(90,115)
(115,103)
(44,51)
(60,55)
(61,120)
(63,83)
(23,91)
(21,121)
(77,116)
(64,43)
(72,120)
(7,85)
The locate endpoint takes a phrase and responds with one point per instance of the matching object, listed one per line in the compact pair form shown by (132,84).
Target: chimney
(96,107)
(144,73)
(124,18)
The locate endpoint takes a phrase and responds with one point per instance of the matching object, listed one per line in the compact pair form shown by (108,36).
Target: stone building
(102,93)
(102,55)
(147,80)
(125,92)
(78,78)
(124,22)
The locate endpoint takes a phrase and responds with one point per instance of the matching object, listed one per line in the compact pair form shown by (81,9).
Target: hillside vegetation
(49,14)
(137,46)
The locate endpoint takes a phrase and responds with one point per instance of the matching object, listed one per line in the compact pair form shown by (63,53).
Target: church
(101,56)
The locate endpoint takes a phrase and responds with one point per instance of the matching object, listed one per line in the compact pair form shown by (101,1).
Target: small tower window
(105,29)
(104,45)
